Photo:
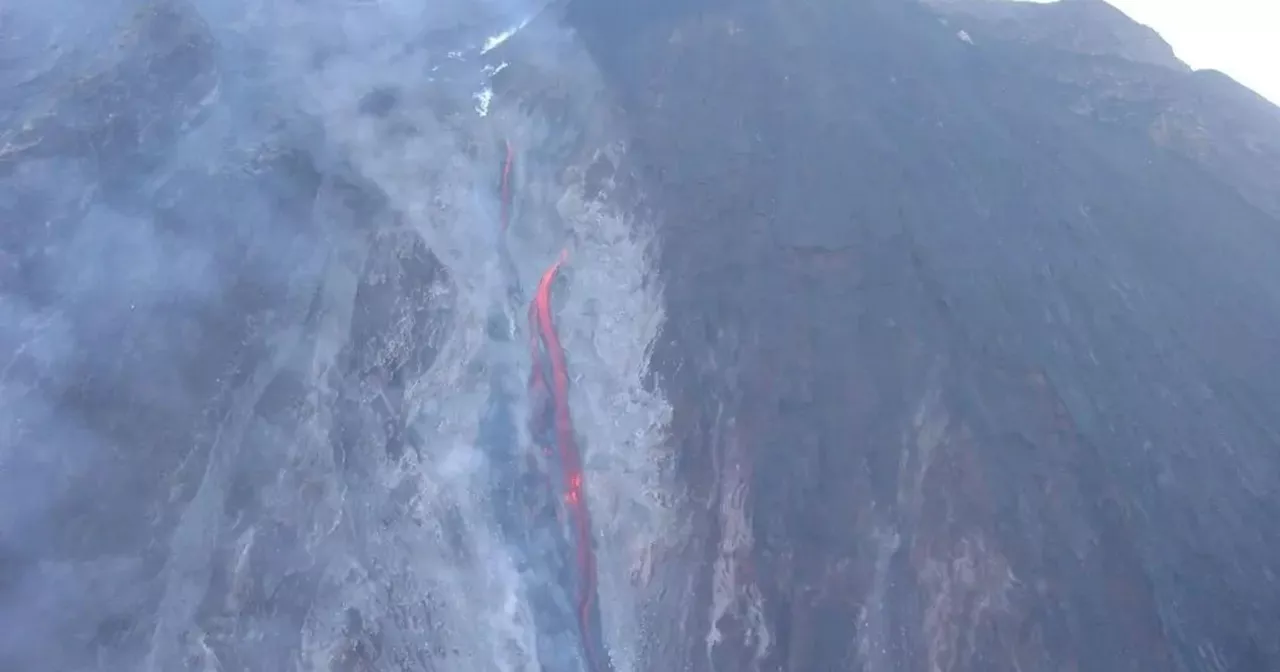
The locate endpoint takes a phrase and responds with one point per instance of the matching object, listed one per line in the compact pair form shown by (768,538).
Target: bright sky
(1238,37)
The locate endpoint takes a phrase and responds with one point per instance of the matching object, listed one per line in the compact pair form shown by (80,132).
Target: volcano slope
(972,369)
(964,358)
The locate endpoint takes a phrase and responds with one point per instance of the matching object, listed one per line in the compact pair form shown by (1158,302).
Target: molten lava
(549,390)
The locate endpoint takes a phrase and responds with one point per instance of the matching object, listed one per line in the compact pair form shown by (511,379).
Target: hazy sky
(1238,37)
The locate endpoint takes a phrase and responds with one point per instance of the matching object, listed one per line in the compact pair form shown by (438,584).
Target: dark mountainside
(900,337)
(989,331)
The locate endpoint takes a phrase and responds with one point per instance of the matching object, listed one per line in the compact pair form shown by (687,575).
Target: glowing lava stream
(549,361)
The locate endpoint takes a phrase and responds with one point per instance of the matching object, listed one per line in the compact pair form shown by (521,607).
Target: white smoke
(394,561)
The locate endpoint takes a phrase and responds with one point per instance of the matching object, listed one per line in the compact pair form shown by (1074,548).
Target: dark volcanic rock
(1090,27)
(991,382)
(1121,73)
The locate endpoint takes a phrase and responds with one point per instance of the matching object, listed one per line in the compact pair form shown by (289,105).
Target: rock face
(1090,27)
(1121,72)
(971,345)
(887,349)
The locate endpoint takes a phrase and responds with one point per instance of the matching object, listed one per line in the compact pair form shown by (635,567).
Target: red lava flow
(544,339)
